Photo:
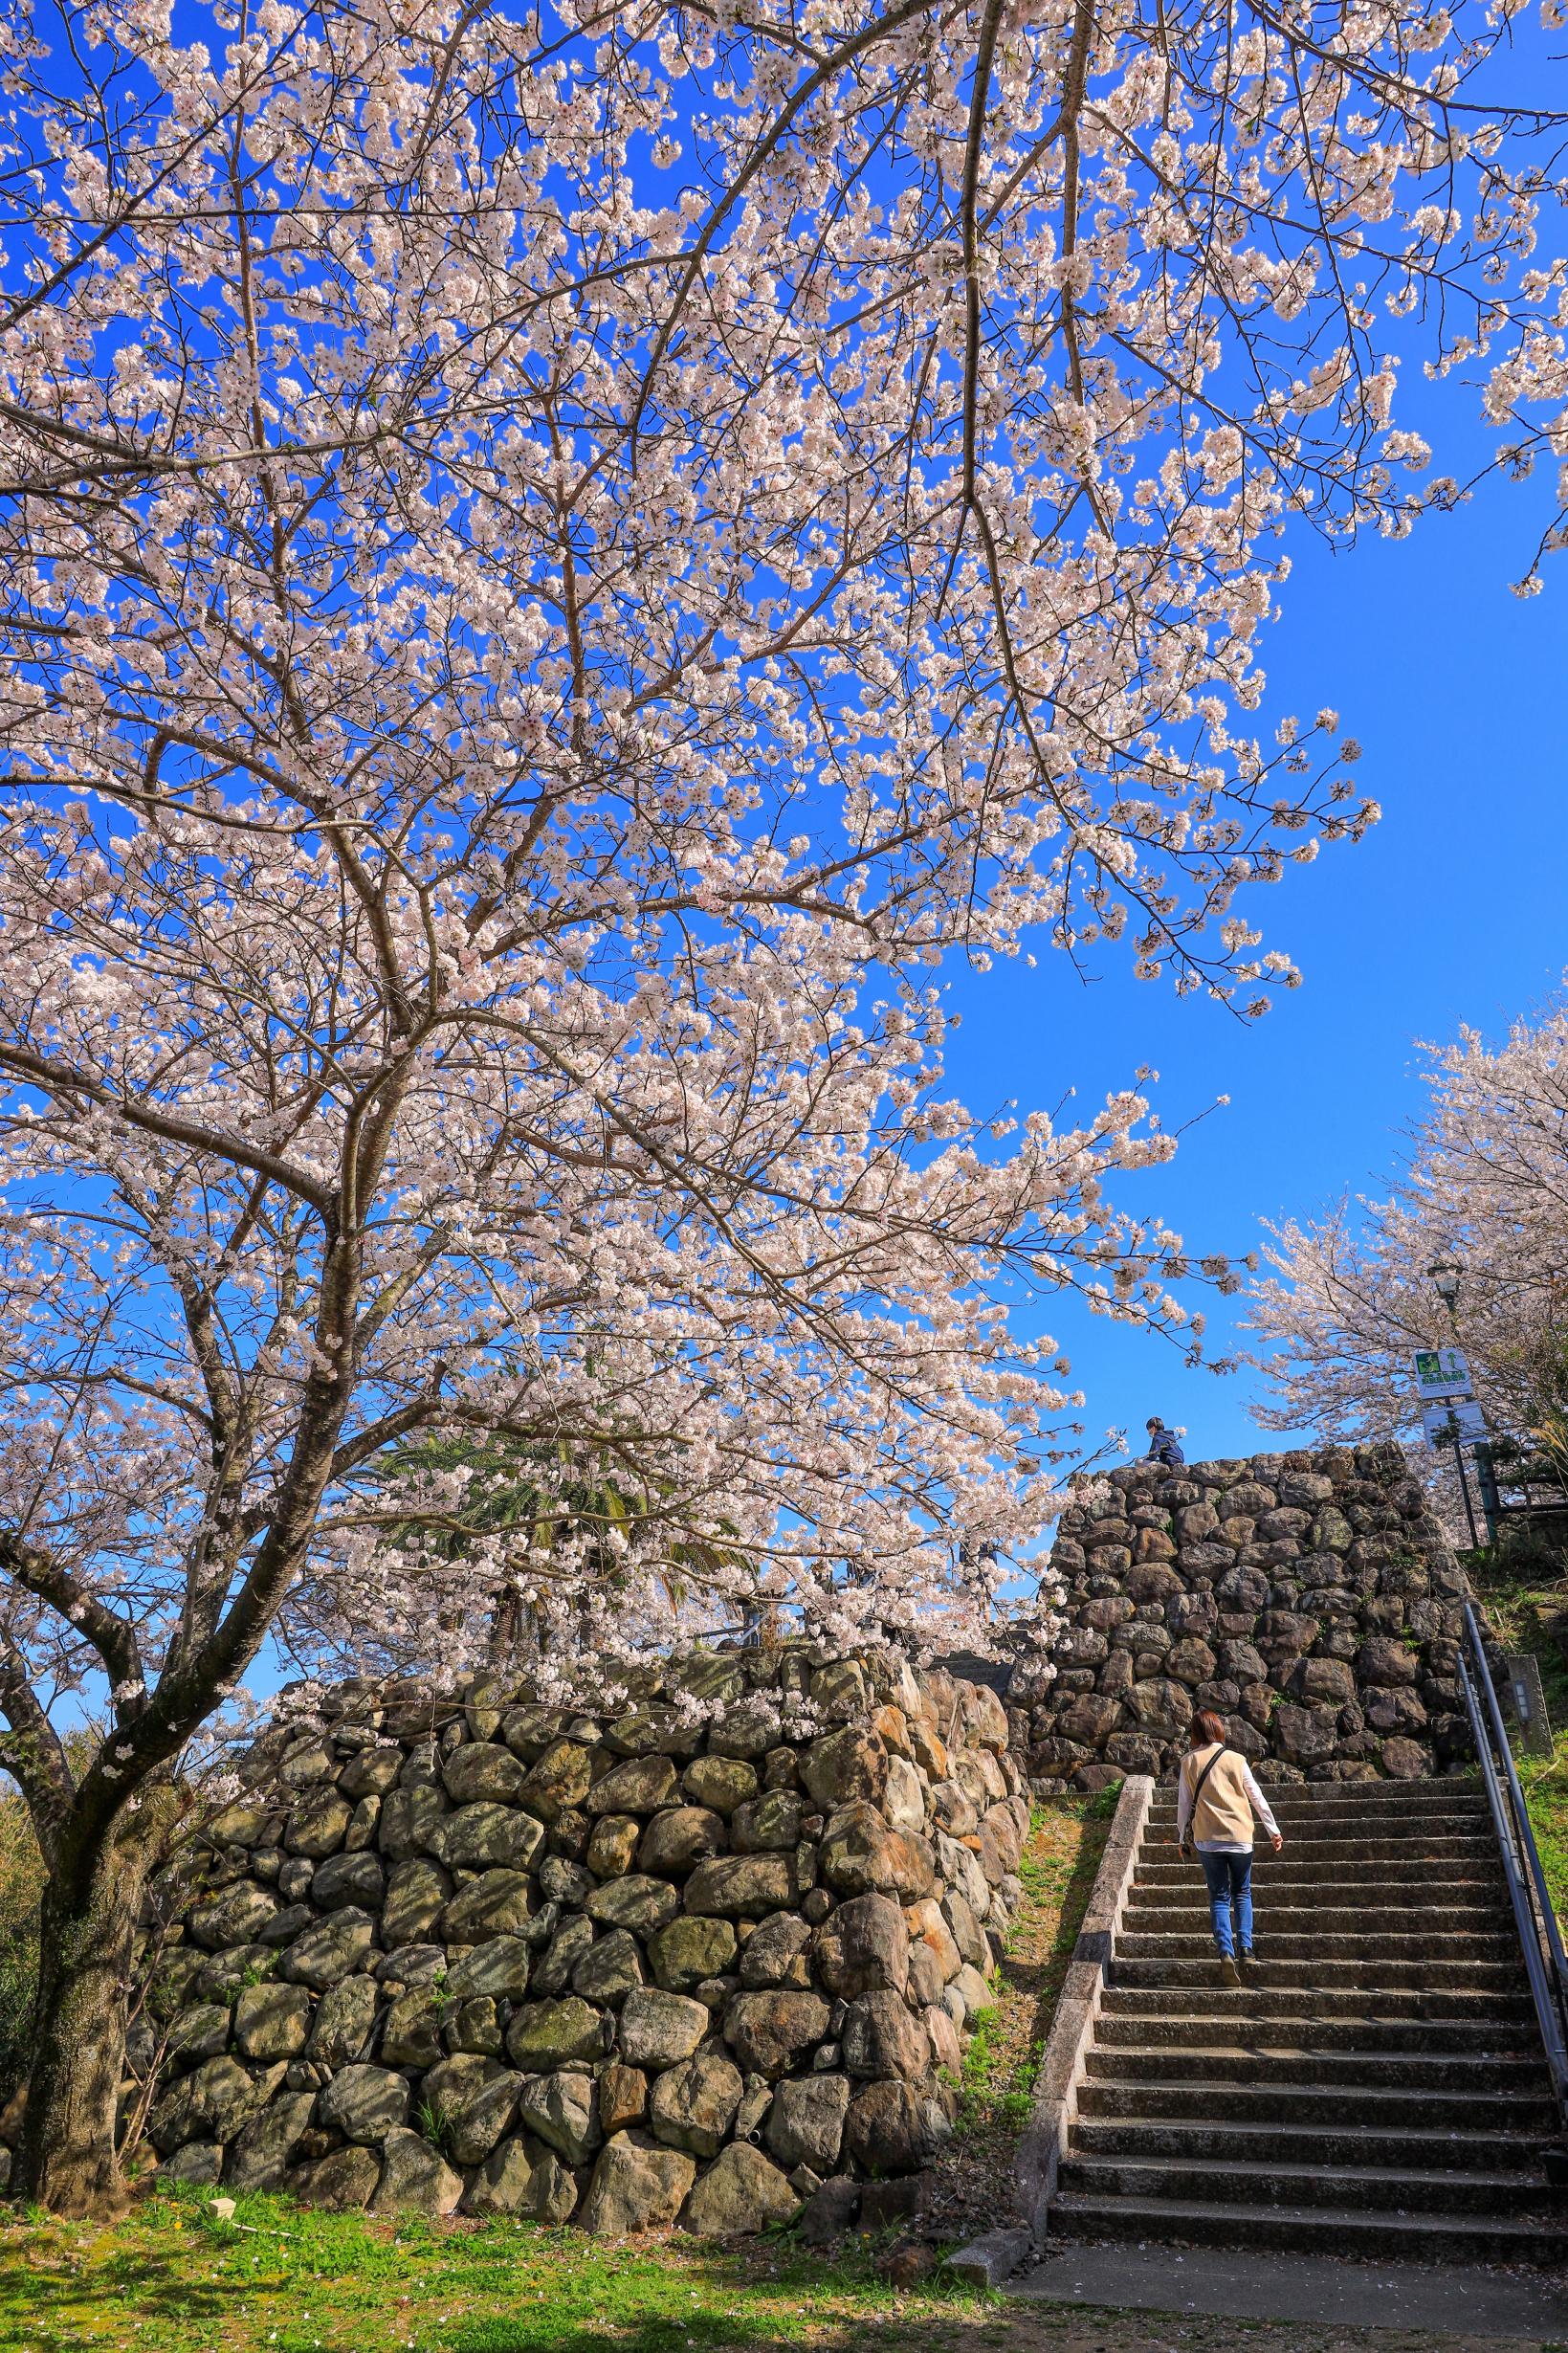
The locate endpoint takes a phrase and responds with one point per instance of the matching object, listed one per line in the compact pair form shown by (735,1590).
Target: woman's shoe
(1246,1962)
(1229,1975)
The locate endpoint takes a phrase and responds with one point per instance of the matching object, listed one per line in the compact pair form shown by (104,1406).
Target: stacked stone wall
(678,1964)
(1310,1597)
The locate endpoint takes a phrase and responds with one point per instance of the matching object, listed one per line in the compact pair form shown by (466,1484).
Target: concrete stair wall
(1377,2088)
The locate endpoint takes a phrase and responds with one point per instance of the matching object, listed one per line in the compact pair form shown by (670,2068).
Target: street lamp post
(1447,1275)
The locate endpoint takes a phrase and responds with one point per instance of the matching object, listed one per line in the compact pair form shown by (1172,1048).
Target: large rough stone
(561,2110)
(344,2022)
(1324,1682)
(806,2123)
(415,2178)
(719,1782)
(636,1786)
(410,2034)
(863,1946)
(317,1824)
(337,1947)
(343,2182)
(659,2029)
(209,2104)
(417,1893)
(545,2034)
(847,1765)
(680,1837)
(475,2099)
(365,2104)
(860,1856)
(778,1952)
(496,1903)
(769,2031)
(265,2148)
(240,1914)
(1305,1733)
(691,1950)
(740,2193)
(609,1968)
(881,2036)
(741,1886)
(483,1772)
(891,2128)
(693,2104)
(558,1781)
(634,1901)
(623,2097)
(565,1950)
(520,2177)
(477,1836)
(636,2186)
(1387,1664)
(498,1968)
(357,1878)
(272,2022)
(767,1824)
(612,1846)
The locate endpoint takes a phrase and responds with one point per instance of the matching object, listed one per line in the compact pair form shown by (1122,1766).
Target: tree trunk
(67,2160)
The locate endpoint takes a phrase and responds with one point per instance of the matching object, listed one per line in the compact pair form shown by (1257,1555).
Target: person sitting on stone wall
(1165,1446)
(1216,1798)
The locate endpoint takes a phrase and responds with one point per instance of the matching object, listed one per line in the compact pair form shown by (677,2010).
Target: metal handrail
(1540,1936)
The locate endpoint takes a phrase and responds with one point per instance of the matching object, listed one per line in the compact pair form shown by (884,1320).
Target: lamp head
(1445,1275)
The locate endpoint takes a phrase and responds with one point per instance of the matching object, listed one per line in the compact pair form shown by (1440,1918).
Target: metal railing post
(1539,1936)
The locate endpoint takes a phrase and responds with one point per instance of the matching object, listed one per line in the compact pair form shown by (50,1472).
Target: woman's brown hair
(1206,1727)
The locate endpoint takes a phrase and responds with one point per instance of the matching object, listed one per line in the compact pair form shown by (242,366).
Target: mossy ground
(173,2279)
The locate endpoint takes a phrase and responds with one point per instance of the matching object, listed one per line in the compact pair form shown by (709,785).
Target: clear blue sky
(1455,908)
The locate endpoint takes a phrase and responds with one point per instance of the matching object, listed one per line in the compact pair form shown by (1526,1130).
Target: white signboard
(1460,1417)
(1442,1372)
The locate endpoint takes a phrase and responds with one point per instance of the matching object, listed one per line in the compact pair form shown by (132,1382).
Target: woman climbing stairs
(1377,2086)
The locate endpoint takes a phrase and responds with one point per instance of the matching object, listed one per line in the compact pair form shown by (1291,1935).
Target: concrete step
(1364,2187)
(1286,2143)
(1319,1943)
(1316,2038)
(1359,1843)
(1511,2012)
(1187,1911)
(1378,1974)
(1347,2231)
(1285,1805)
(1467,1821)
(1484,1877)
(1397,2112)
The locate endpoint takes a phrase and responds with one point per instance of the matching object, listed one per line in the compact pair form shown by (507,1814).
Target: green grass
(283,2279)
(1516,1596)
(1061,1857)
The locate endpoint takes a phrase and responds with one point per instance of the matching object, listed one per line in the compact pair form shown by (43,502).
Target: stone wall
(1311,1598)
(676,1964)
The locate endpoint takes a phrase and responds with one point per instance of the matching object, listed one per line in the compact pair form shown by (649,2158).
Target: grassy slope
(1517,1598)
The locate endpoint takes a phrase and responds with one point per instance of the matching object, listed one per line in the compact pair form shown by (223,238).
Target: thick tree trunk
(67,2160)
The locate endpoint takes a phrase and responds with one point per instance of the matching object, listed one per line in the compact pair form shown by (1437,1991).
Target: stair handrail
(1540,1936)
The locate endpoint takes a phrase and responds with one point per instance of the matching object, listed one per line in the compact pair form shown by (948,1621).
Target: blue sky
(1454,909)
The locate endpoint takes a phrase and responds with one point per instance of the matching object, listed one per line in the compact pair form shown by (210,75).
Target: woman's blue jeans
(1229,1880)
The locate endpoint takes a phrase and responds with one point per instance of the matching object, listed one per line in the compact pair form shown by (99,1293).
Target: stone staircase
(1378,2088)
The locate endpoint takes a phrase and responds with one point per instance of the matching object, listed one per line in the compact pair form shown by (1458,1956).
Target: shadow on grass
(294,2282)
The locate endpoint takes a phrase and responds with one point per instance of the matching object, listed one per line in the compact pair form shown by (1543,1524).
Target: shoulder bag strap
(1198,1785)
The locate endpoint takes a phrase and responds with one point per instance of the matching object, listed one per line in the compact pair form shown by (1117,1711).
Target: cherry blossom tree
(1485,1179)
(554,565)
